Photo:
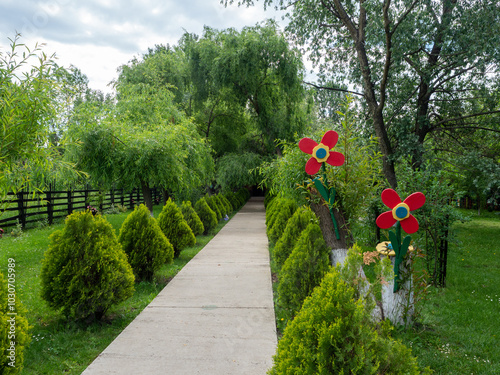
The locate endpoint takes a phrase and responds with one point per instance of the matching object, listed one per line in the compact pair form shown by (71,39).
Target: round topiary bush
(231,197)
(333,334)
(14,328)
(176,229)
(304,269)
(301,218)
(192,218)
(207,216)
(145,244)
(85,270)
(283,211)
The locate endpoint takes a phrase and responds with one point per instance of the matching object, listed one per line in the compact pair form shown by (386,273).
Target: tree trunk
(146,193)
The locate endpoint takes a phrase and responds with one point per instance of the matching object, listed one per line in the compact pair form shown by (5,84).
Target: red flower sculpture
(321,152)
(400,211)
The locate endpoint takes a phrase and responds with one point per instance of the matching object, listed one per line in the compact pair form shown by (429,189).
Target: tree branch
(333,89)
(464,117)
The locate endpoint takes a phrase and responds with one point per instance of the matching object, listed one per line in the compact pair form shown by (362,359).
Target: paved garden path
(215,317)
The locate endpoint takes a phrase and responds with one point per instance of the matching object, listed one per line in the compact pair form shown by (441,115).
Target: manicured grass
(459,332)
(59,346)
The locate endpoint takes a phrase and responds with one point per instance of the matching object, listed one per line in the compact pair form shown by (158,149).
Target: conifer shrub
(233,199)
(85,270)
(144,243)
(333,334)
(300,219)
(192,218)
(222,205)
(226,202)
(14,329)
(243,195)
(207,216)
(174,226)
(304,269)
(271,210)
(277,224)
(214,206)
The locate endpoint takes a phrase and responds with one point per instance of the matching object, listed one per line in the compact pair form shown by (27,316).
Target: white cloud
(98,36)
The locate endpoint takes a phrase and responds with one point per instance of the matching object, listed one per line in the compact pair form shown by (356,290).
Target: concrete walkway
(215,317)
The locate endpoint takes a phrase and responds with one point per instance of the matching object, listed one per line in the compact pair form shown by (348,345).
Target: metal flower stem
(331,199)
(400,249)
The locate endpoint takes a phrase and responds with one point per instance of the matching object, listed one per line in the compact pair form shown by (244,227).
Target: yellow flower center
(401,211)
(321,153)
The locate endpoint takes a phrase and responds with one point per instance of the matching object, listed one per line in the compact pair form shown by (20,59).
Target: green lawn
(59,346)
(459,332)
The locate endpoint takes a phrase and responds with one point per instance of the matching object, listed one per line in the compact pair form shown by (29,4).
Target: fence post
(70,203)
(138,196)
(50,208)
(131,204)
(86,195)
(122,197)
(20,209)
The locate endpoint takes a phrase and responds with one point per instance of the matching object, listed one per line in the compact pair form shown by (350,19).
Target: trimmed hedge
(174,226)
(207,216)
(85,270)
(304,269)
(333,334)
(192,218)
(12,357)
(301,218)
(145,244)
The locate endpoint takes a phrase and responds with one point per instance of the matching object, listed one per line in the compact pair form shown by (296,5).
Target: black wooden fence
(25,207)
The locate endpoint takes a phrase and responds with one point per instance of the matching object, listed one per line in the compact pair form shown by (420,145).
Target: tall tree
(26,112)
(418,65)
(253,72)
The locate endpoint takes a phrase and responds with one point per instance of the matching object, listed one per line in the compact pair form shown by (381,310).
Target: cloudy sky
(97,36)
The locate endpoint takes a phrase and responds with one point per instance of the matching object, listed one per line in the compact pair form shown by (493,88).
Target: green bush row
(87,268)
(329,330)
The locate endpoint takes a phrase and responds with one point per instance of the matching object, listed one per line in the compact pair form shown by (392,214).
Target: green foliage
(14,327)
(236,170)
(85,271)
(221,206)
(192,218)
(207,216)
(435,217)
(304,269)
(144,243)
(214,205)
(283,212)
(300,219)
(225,201)
(26,111)
(333,334)
(175,227)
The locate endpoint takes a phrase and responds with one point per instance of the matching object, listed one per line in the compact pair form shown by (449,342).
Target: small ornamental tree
(214,206)
(176,229)
(333,334)
(226,202)
(145,244)
(14,330)
(192,218)
(233,199)
(304,269)
(283,212)
(301,218)
(85,270)
(222,206)
(207,216)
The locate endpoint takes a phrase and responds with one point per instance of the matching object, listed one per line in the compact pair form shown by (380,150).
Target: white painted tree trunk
(398,307)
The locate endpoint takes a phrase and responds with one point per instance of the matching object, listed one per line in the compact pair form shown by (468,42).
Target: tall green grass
(59,346)
(459,332)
